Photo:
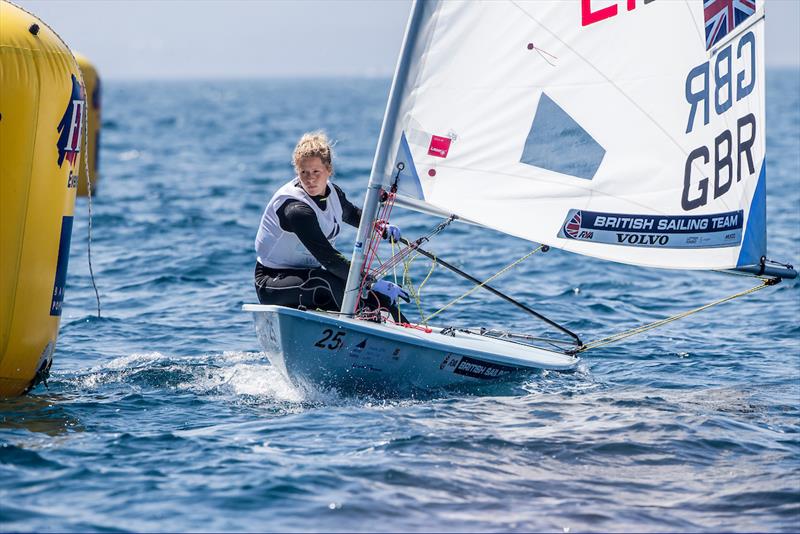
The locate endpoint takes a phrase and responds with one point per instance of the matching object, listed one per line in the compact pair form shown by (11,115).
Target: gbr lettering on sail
(714,87)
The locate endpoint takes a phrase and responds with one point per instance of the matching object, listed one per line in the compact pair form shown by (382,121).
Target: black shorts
(312,288)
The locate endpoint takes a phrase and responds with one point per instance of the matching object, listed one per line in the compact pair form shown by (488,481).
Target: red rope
(413,326)
(378,228)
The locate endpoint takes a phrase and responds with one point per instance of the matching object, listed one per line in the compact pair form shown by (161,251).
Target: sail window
(556,142)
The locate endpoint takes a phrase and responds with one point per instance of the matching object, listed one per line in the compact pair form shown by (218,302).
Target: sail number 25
(330,340)
(711,85)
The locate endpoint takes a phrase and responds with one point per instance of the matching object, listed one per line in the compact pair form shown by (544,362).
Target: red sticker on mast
(439,146)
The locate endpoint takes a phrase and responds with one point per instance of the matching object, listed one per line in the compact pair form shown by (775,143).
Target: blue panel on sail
(557,143)
(408,183)
(755,235)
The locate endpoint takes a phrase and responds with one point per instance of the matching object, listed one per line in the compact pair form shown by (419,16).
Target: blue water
(163,415)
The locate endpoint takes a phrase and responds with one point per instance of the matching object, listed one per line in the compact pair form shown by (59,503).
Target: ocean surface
(164,414)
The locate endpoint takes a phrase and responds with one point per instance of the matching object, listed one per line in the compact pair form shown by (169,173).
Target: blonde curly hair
(314,145)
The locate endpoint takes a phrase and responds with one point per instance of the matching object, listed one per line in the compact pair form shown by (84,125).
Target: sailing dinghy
(628,131)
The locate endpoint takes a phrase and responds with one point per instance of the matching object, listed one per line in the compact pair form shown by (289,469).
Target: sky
(153,39)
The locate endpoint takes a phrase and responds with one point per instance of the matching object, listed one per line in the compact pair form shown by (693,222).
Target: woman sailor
(297,264)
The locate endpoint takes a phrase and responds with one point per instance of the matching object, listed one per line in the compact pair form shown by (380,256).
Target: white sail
(629,130)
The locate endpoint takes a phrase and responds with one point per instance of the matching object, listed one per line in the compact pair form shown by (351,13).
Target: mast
(379,163)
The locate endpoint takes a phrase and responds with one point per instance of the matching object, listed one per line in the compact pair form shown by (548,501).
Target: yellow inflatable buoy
(41,120)
(91,81)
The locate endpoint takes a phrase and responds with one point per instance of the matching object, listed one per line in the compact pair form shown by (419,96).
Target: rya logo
(69,142)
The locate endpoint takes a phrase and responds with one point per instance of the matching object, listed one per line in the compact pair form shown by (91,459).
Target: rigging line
(644,328)
(734,273)
(542,53)
(739,273)
(397,258)
(88,189)
(372,250)
(514,338)
(483,284)
(416,293)
(606,78)
(496,292)
(408,283)
(394,272)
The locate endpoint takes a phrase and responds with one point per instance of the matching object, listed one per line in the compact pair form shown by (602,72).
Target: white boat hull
(319,349)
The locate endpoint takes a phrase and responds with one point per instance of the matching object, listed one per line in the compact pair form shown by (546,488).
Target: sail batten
(636,136)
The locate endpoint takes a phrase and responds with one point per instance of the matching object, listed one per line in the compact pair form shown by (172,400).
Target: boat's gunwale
(408,337)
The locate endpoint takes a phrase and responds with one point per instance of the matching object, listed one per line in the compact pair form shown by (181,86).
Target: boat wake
(239,373)
(249,378)
(242,377)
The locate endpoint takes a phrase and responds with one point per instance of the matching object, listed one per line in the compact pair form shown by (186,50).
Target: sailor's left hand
(392,233)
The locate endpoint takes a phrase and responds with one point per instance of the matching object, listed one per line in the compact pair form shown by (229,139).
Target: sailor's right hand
(390,290)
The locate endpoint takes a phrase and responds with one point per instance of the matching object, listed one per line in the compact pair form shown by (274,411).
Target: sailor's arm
(351,214)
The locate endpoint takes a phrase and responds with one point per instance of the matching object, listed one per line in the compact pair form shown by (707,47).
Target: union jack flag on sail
(722,16)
